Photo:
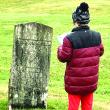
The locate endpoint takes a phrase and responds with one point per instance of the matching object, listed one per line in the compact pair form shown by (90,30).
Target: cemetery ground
(57,14)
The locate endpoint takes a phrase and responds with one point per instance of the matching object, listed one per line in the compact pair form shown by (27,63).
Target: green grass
(57,14)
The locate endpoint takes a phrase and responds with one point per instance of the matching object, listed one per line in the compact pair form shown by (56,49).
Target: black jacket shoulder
(84,38)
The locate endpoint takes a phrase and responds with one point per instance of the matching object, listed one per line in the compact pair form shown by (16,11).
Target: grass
(56,14)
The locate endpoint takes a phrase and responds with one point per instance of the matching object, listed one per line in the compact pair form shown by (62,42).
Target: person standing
(81,50)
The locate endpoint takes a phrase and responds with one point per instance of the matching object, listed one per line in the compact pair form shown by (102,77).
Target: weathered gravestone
(28,84)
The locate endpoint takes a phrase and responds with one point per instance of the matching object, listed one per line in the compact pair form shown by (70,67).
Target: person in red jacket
(81,50)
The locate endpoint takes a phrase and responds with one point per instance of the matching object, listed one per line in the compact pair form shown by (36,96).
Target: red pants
(86,101)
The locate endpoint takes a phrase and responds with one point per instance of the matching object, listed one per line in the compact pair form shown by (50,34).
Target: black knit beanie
(81,14)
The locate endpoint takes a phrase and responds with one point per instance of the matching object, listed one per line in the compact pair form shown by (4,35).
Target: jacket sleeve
(101,49)
(64,52)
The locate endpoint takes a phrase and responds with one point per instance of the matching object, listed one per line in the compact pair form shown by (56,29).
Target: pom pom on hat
(81,14)
(84,6)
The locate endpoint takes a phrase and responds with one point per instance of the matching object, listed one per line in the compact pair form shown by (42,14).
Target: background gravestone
(28,84)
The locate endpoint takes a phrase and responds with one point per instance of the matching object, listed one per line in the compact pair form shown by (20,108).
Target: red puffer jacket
(81,50)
